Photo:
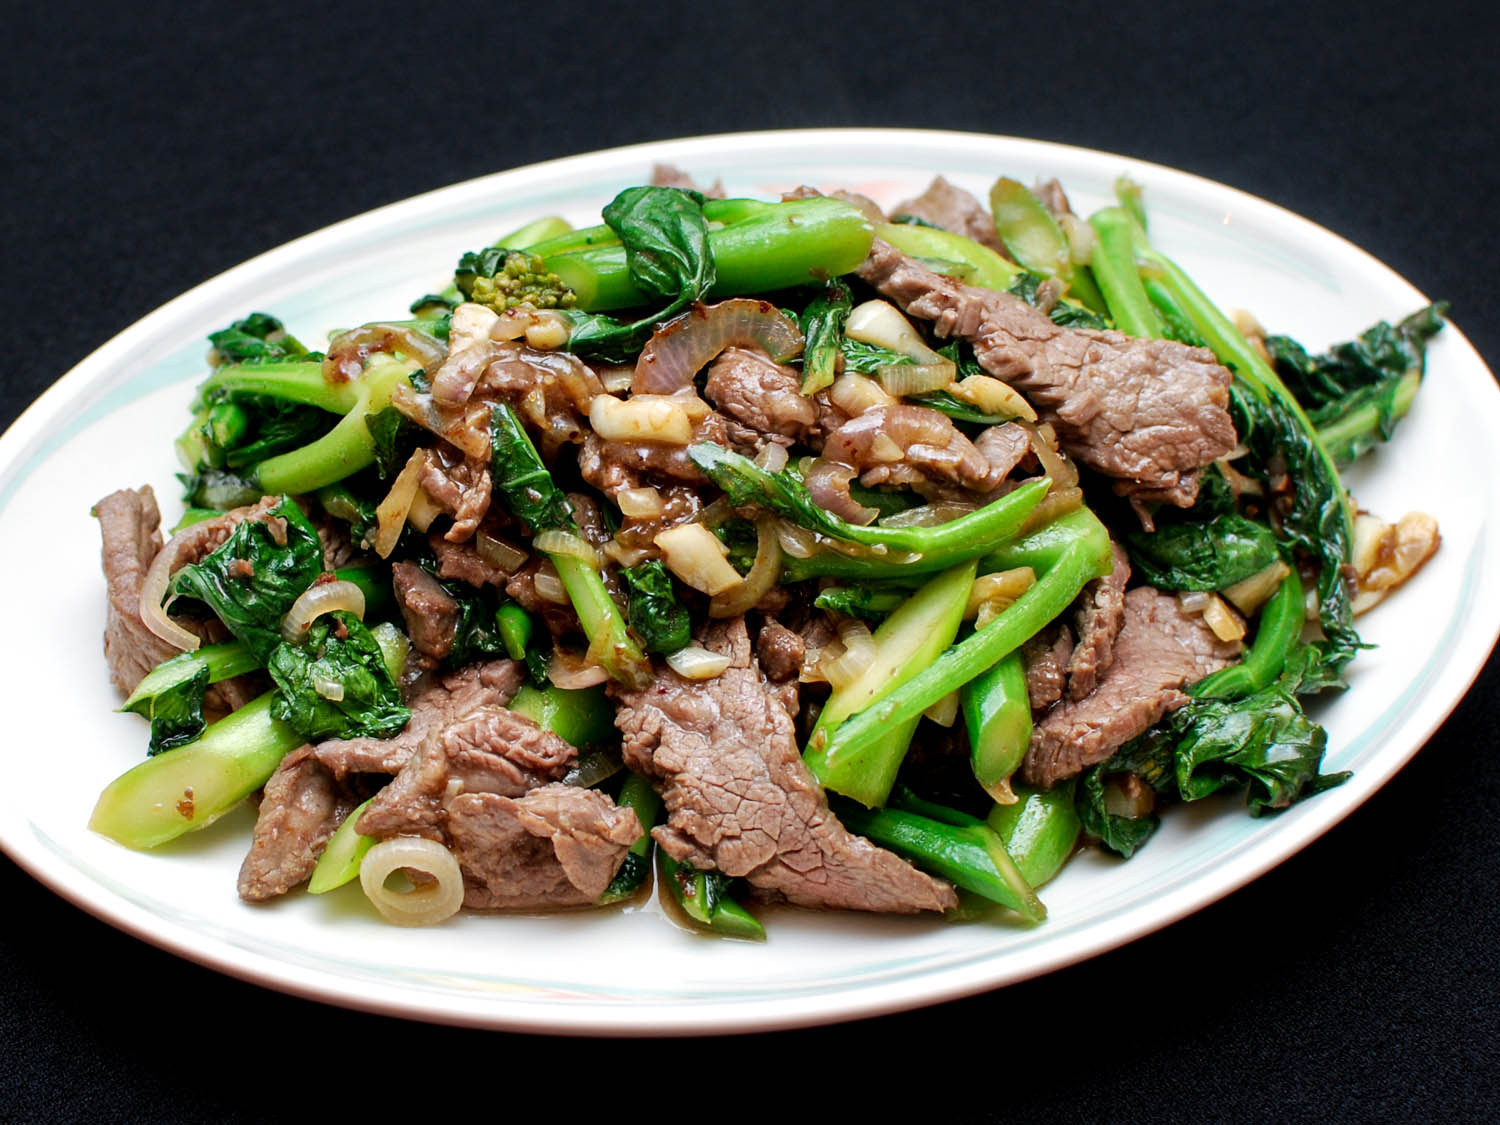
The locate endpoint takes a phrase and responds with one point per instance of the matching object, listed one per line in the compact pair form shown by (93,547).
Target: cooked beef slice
(760,393)
(461,488)
(1004,447)
(461,561)
(1046,659)
(952,208)
(431,615)
(302,805)
(1051,193)
(739,799)
(1160,649)
(130,531)
(1149,413)
(780,652)
(438,704)
(1101,613)
(490,750)
(555,846)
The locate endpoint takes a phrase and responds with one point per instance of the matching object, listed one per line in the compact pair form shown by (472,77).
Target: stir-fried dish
(834,557)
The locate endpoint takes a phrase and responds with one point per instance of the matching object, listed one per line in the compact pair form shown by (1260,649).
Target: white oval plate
(109,423)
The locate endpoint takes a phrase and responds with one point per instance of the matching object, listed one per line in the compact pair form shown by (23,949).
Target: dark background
(148,149)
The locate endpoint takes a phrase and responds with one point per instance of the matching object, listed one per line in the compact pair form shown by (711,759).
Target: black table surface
(149,148)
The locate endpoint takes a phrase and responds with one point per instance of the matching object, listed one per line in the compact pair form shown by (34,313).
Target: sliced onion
(854,394)
(992,396)
(567,544)
(772,457)
(945,711)
(694,662)
(1194,601)
(880,322)
(423,510)
(902,379)
(454,381)
(1043,439)
(929,515)
(695,555)
(1226,624)
(796,541)
(329,688)
(681,347)
(856,658)
(763,574)
(998,591)
(498,553)
(639,503)
(1249,594)
(153,592)
(318,599)
(828,485)
(348,351)
(438,897)
(390,513)
(592,768)
(548,585)
(571,673)
(470,325)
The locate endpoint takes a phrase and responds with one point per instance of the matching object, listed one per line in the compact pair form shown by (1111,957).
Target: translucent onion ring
(682,346)
(694,662)
(763,574)
(348,351)
(318,599)
(429,903)
(153,591)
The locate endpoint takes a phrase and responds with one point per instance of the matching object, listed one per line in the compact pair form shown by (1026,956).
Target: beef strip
(1052,196)
(302,805)
(549,390)
(555,846)
(462,562)
(1100,615)
(1160,649)
(760,393)
(1149,413)
(739,799)
(780,652)
(460,487)
(130,533)
(437,704)
(1046,659)
(911,446)
(954,209)
(1004,447)
(489,750)
(430,613)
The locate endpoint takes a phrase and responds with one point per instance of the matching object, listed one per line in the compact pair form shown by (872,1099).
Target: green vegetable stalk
(1040,830)
(636,794)
(997,716)
(704,897)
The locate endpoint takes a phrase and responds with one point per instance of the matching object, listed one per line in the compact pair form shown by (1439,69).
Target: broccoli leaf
(175,710)
(254,577)
(661,621)
(395,437)
(665,236)
(1380,354)
(218,490)
(1026,286)
(265,427)
(335,684)
(521,479)
(822,324)
(867,602)
(1202,556)
(259,336)
(865,359)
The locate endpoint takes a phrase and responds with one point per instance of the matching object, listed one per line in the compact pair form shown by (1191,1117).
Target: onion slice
(435,900)
(348,351)
(694,662)
(153,614)
(682,346)
(763,574)
(318,599)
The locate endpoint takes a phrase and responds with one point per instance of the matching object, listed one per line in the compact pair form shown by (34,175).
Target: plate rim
(1135,921)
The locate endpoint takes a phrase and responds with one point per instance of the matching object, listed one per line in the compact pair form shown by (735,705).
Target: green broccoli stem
(580,717)
(514,625)
(703,896)
(638,794)
(906,641)
(1035,239)
(783,245)
(1350,434)
(1115,270)
(1040,830)
(961,849)
(720,211)
(223,661)
(979,265)
(1235,352)
(342,855)
(1078,563)
(997,716)
(1279,632)
(192,786)
(345,449)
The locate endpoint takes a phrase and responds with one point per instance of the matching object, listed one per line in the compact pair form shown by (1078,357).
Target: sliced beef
(1051,193)
(460,487)
(1100,615)
(302,805)
(489,750)
(1160,650)
(333,534)
(130,532)
(760,393)
(780,652)
(952,208)
(740,800)
(910,446)
(550,390)
(1149,413)
(1046,659)
(430,613)
(462,562)
(438,703)
(1004,447)
(555,846)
